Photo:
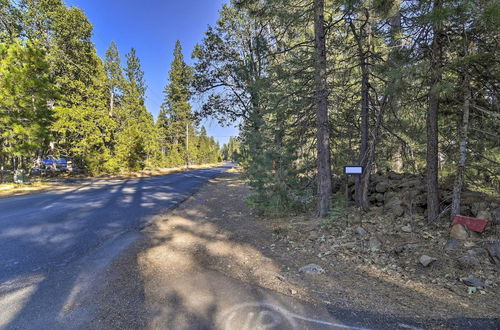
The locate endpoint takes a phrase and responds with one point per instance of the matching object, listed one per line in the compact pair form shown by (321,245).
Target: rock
(312,269)
(452,245)
(493,249)
(459,232)
(413,183)
(376,178)
(397,211)
(468,262)
(292,291)
(374,244)
(361,231)
(479,206)
(388,196)
(477,252)
(495,215)
(393,201)
(396,176)
(473,234)
(465,210)
(425,260)
(406,229)
(472,281)
(485,215)
(314,235)
(382,187)
(379,197)
(420,200)
(280,277)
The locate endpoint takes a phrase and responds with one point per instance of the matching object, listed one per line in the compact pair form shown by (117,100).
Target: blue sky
(152,27)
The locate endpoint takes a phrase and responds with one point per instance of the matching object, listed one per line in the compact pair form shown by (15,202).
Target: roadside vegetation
(403,86)
(59,99)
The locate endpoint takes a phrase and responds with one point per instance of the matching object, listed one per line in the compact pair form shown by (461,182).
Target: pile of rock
(405,194)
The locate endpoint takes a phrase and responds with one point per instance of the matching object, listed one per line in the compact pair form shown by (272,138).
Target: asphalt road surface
(42,236)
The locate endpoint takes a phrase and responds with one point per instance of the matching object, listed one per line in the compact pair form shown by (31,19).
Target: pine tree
(137,139)
(25,113)
(175,119)
(115,75)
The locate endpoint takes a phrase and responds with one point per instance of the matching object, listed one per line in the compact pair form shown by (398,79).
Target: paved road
(46,232)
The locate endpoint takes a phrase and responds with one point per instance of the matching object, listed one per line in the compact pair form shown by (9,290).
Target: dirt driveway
(211,264)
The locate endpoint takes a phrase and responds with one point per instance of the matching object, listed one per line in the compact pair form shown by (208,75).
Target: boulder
(376,178)
(396,176)
(314,235)
(493,249)
(479,206)
(415,184)
(425,260)
(312,269)
(374,244)
(459,232)
(477,252)
(379,197)
(485,215)
(466,262)
(465,210)
(452,245)
(406,229)
(361,231)
(472,281)
(382,187)
(495,215)
(388,196)
(397,211)
(395,200)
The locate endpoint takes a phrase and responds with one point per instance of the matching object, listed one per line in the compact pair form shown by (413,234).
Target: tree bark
(324,183)
(457,187)
(361,194)
(432,120)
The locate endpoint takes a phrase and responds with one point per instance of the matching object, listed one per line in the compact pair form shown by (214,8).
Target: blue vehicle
(52,165)
(57,164)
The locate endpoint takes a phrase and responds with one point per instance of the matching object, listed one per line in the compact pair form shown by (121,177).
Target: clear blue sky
(152,27)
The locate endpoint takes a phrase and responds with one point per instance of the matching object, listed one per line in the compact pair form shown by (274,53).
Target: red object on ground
(474,224)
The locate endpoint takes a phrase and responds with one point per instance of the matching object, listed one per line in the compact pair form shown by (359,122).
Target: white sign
(352,169)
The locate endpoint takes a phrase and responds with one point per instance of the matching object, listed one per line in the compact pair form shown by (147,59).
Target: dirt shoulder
(172,275)
(68,182)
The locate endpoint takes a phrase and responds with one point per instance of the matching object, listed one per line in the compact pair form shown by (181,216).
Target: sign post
(351,170)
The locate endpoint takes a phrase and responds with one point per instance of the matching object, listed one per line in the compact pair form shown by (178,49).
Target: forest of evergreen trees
(59,99)
(408,86)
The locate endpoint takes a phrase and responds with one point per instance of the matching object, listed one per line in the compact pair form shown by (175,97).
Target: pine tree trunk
(323,135)
(432,121)
(457,187)
(361,195)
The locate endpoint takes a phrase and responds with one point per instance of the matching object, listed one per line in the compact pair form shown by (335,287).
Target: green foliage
(58,98)
(26,89)
(256,66)
(338,211)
